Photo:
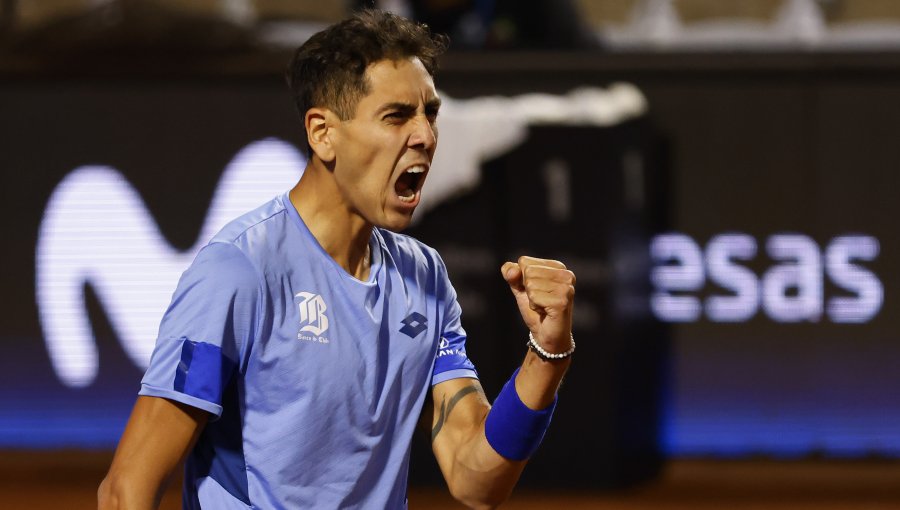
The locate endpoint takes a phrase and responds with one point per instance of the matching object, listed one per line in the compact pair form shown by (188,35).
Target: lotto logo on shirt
(312,317)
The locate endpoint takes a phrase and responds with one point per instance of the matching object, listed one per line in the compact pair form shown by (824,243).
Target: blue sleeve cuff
(153,391)
(453,374)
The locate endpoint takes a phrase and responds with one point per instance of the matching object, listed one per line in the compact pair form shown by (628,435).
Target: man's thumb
(513,275)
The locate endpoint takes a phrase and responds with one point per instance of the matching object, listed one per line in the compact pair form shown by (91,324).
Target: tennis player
(300,346)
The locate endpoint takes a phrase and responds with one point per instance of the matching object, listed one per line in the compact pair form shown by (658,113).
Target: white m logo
(312,313)
(96,230)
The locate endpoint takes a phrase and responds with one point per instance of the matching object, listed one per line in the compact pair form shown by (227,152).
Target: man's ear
(319,124)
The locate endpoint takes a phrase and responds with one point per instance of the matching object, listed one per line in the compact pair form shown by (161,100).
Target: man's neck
(343,234)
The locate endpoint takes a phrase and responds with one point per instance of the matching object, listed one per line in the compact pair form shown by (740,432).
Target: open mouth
(410,183)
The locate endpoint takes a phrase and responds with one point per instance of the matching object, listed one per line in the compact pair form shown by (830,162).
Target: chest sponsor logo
(414,324)
(312,317)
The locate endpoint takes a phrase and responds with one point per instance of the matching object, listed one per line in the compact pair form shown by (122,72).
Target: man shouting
(294,360)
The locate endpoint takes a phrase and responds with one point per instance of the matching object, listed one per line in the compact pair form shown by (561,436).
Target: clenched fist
(545,293)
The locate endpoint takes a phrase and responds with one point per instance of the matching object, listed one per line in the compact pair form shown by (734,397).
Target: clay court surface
(68,481)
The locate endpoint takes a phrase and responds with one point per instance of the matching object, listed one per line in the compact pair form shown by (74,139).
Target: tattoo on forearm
(444,416)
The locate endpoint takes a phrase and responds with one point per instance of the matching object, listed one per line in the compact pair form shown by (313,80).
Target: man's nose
(424,134)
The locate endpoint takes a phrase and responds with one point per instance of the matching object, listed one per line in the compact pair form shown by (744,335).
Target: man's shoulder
(263,217)
(235,253)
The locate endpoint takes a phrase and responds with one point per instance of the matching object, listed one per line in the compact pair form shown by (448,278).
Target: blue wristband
(512,429)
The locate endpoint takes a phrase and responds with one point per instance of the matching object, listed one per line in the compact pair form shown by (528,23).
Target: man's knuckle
(531,272)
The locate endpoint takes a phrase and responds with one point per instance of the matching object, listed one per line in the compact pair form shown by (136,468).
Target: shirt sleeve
(450,360)
(209,323)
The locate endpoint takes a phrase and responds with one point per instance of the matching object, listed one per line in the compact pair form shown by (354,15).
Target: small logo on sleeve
(414,324)
(312,317)
(445,349)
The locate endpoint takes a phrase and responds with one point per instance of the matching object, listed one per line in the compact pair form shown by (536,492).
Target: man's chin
(396,222)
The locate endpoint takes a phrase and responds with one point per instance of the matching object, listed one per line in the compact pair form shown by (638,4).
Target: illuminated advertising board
(773,275)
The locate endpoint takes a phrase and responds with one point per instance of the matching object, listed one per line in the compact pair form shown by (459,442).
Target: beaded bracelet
(548,356)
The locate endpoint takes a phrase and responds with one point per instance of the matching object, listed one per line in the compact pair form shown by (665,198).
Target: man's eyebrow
(399,106)
(408,108)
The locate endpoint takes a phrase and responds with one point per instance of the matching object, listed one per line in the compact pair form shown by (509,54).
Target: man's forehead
(401,80)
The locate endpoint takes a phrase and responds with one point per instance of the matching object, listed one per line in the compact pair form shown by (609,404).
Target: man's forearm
(539,380)
(483,478)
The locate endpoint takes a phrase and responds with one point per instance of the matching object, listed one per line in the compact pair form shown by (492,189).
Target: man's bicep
(460,407)
(158,436)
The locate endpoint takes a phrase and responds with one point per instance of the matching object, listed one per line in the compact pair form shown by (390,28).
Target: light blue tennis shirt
(316,379)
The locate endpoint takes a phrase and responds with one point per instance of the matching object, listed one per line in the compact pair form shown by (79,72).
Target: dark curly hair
(329,69)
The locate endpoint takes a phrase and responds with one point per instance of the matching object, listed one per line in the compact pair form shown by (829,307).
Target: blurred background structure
(662,25)
(720,176)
